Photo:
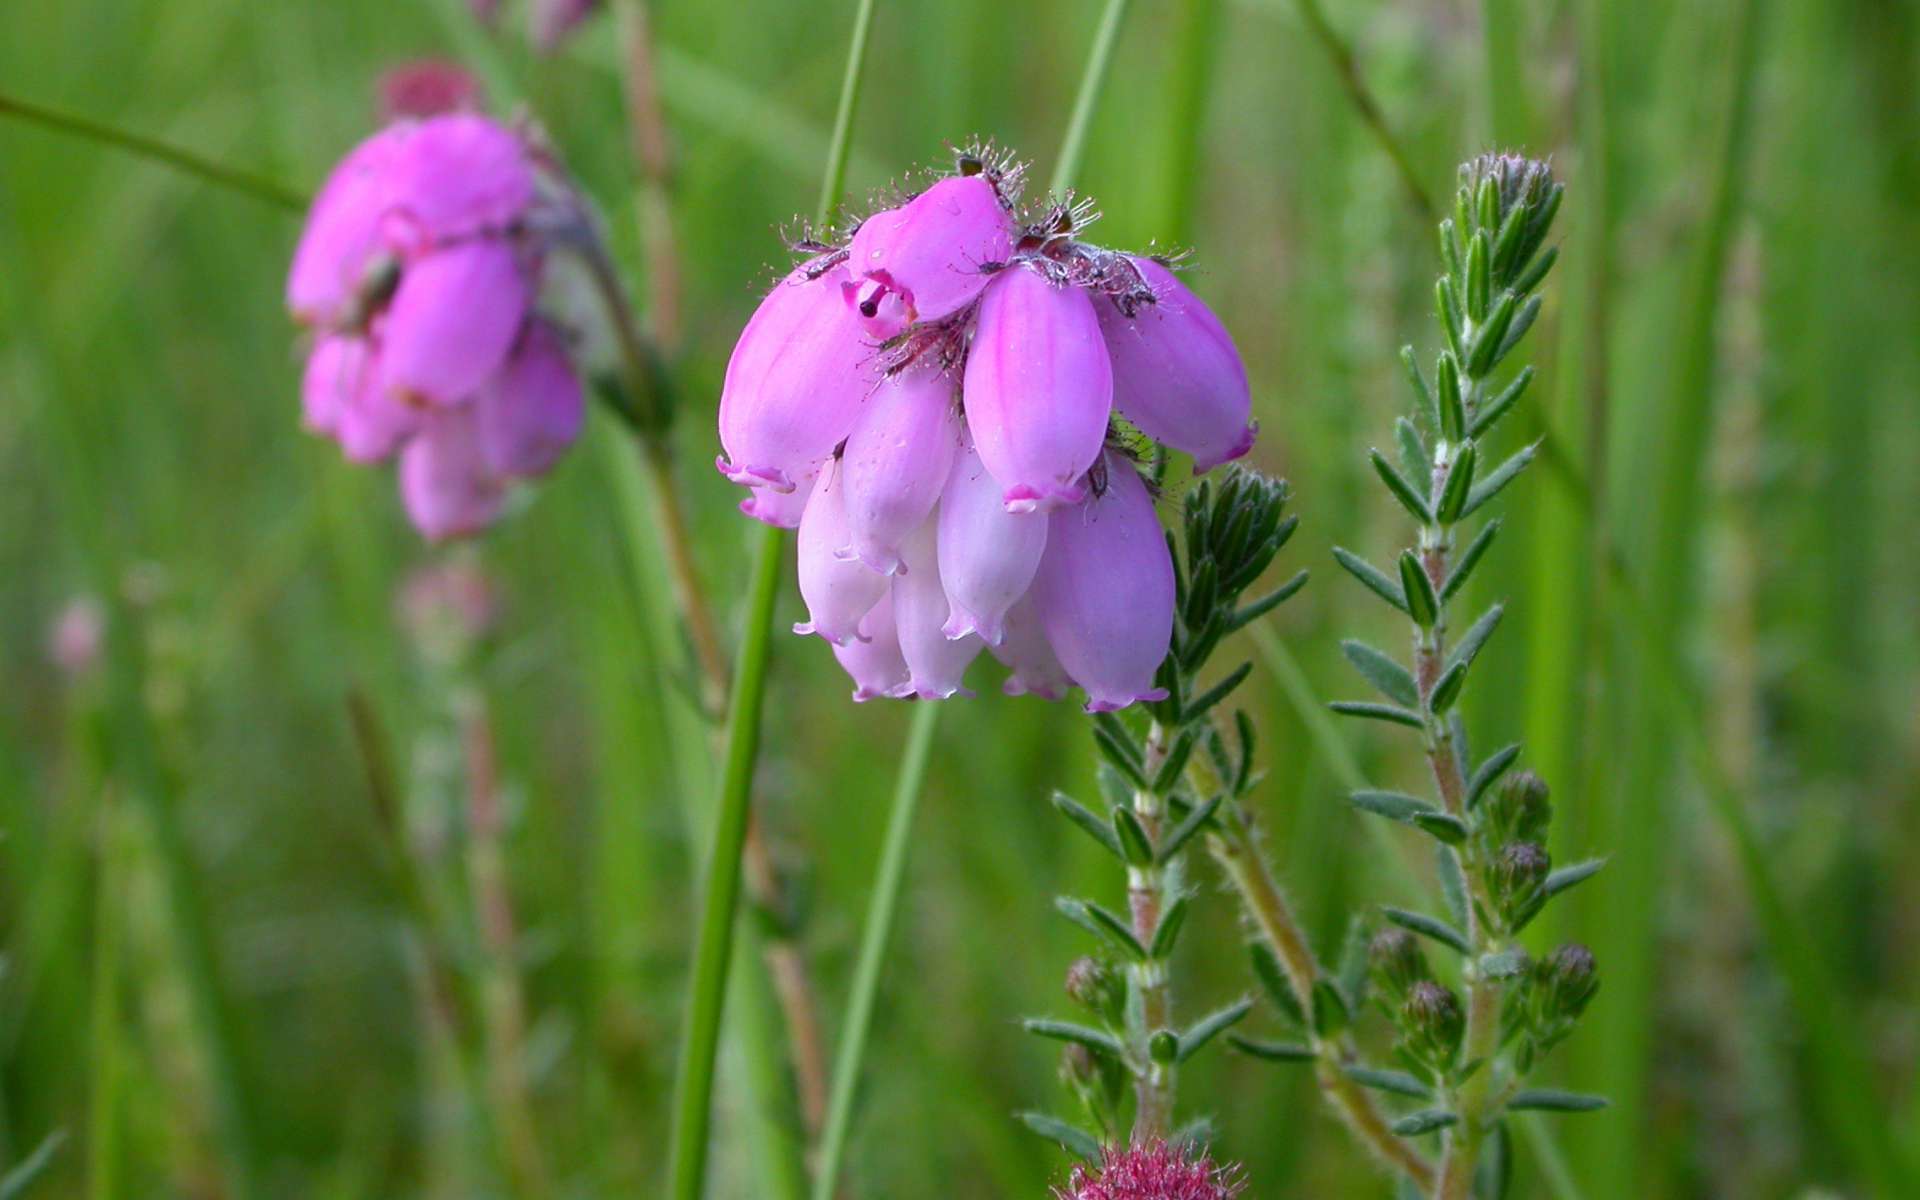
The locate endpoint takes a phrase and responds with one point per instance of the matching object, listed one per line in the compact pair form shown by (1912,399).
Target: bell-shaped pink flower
(1104,591)
(1038,389)
(530,412)
(343,230)
(874,659)
(987,554)
(340,396)
(445,483)
(1025,652)
(896,461)
(936,662)
(838,591)
(1176,373)
(455,316)
(797,379)
(923,261)
(454,177)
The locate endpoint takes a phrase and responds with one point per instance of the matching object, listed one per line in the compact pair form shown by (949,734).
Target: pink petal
(1176,373)
(896,461)
(987,554)
(454,318)
(937,662)
(781,509)
(1038,389)
(530,412)
(1104,591)
(445,483)
(456,176)
(796,381)
(874,660)
(1025,652)
(340,396)
(838,591)
(343,230)
(929,252)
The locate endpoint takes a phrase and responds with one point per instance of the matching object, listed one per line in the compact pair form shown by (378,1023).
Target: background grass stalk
(881,908)
(693,1090)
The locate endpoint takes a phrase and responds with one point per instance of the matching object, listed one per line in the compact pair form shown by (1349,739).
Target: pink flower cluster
(931,402)
(418,272)
(1151,1171)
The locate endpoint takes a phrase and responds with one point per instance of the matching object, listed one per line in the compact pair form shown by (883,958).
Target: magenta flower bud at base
(874,659)
(795,384)
(453,320)
(1176,373)
(895,463)
(838,591)
(1038,389)
(987,554)
(1105,591)
(937,662)
(929,253)
(445,483)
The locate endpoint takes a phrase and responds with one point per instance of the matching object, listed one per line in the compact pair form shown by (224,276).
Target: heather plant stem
(233,179)
(881,907)
(1154,1087)
(1357,91)
(1239,856)
(103,1101)
(1073,146)
(693,1098)
(503,999)
(647,129)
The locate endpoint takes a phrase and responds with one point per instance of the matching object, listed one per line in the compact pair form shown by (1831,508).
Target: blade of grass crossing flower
(693,1089)
(873,948)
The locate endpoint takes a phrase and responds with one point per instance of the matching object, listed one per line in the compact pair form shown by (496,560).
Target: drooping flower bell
(947,402)
(419,273)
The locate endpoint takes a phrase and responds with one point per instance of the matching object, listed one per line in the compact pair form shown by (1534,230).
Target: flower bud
(1432,1023)
(1566,981)
(1515,878)
(1397,962)
(1518,811)
(1098,988)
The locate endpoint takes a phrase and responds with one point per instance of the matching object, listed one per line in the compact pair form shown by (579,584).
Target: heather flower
(1154,1170)
(77,637)
(932,401)
(419,272)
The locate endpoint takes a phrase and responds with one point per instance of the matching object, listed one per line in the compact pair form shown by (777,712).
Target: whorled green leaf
(1379,668)
(1426,926)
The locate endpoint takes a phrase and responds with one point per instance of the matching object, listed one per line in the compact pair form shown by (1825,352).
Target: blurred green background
(1710,648)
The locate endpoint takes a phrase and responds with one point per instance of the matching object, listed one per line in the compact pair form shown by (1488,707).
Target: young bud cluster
(1432,1025)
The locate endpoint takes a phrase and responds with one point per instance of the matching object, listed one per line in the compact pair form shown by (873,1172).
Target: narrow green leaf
(1490,342)
(1559,881)
(1191,824)
(1538,271)
(1453,496)
(1479,275)
(1378,668)
(1506,964)
(1355,965)
(1502,475)
(1272,1051)
(1450,248)
(1506,243)
(1088,822)
(1071,1138)
(1120,755)
(23,1174)
(1273,980)
(1197,708)
(1495,766)
(1067,1031)
(1400,1083)
(1453,884)
(1210,1026)
(1444,826)
(1427,926)
(1453,402)
(1396,806)
(1267,603)
(1420,388)
(1517,329)
(1468,560)
(1446,689)
(1425,1121)
(1468,647)
(1167,933)
(1134,843)
(1412,499)
(1373,577)
(1412,448)
(1182,749)
(1550,1100)
(1330,1011)
(1422,604)
(1101,923)
(1377,712)
(1448,306)
(1491,412)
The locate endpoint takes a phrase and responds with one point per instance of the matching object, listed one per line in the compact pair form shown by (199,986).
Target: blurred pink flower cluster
(1152,1170)
(931,403)
(418,273)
